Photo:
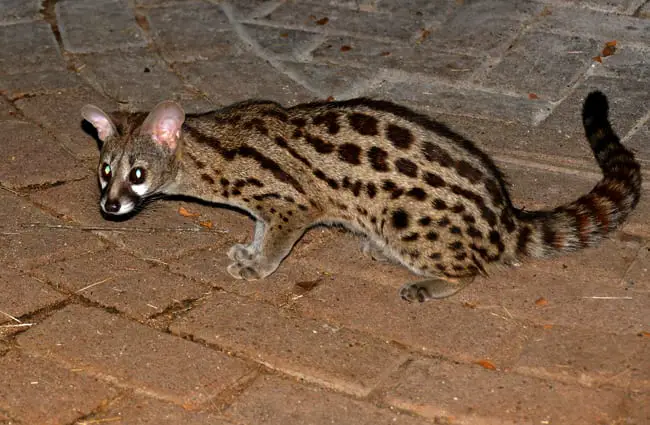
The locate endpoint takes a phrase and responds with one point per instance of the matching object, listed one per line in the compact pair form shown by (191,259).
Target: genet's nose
(112,206)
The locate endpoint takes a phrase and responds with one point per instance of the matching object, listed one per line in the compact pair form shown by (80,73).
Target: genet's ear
(100,120)
(164,124)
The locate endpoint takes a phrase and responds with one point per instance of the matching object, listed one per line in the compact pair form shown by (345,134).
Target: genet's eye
(106,171)
(137,175)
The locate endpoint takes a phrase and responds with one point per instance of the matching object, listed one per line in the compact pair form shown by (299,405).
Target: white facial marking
(139,189)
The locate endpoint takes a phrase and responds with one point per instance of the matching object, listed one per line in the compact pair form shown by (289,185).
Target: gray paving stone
(254,78)
(32,157)
(433,97)
(644,11)
(209,32)
(15,10)
(628,62)
(7,111)
(417,59)
(318,17)
(283,43)
(628,102)
(596,25)
(20,85)
(639,142)
(29,47)
(138,78)
(545,64)
(96,25)
(482,27)
(335,81)
(59,112)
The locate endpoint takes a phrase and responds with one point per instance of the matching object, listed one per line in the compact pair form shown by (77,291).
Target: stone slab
(546,65)
(471,394)
(99,343)
(29,46)
(29,83)
(283,43)
(254,78)
(16,10)
(116,280)
(37,391)
(275,401)
(628,62)
(59,113)
(339,82)
(96,25)
(310,349)
(22,295)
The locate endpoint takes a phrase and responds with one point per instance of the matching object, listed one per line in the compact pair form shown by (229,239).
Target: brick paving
(137,322)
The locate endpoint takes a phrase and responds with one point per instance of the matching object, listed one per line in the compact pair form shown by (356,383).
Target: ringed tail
(585,221)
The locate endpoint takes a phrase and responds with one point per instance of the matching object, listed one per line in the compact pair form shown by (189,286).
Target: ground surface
(138,322)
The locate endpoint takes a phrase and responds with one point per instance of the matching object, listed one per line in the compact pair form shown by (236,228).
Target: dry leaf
(611,43)
(423,35)
(644,333)
(548,326)
(597,59)
(545,12)
(541,301)
(608,51)
(207,224)
(385,53)
(346,48)
(532,96)
(284,34)
(486,364)
(185,213)
(467,304)
(323,21)
(330,98)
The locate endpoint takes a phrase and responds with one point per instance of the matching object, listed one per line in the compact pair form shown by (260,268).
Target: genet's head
(138,158)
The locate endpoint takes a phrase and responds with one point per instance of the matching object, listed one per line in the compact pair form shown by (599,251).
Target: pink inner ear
(164,124)
(99,120)
(167,132)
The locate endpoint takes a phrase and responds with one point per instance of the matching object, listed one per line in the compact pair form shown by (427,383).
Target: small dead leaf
(330,99)
(385,54)
(541,301)
(608,51)
(323,21)
(423,35)
(645,334)
(207,224)
(597,59)
(611,43)
(308,285)
(547,326)
(546,11)
(532,96)
(346,48)
(284,34)
(486,364)
(185,213)
(467,304)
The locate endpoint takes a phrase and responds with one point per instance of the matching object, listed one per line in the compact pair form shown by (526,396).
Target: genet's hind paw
(429,289)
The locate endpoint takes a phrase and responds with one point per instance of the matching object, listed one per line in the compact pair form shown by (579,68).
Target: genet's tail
(587,220)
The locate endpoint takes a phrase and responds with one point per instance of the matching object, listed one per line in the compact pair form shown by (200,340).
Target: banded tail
(584,222)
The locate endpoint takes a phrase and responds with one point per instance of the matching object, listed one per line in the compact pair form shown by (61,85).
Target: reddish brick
(589,358)
(23,295)
(133,355)
(637,408)
(36,391)
(314,350)
(140,410)
(274,401)
(471,394)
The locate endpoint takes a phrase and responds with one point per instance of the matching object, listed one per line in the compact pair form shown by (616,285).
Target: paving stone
(418,58)
(159,231)
(468,394)
(274,401)
(60,114)
(140,410)
(482,27)
(313,350)
(433,97)
(209,34)
(638,142)
(283,43)
(253,8)
(15,10)
(29,47)
(587,357)
(596,25)
(117,280)
(22,295)
(7,111)
(133,355)
(627,62)
(627,104)
(644,11)
(330,19)
(443,328)
(138,78)
(546,65)
(33,158)
(95,25)
(637,406)
(254,79)
(335,81)
(637,276)
(16,86)
(31,238)
(35,390)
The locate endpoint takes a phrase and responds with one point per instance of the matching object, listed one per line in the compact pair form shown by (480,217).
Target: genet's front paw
(240,252)
(243,271)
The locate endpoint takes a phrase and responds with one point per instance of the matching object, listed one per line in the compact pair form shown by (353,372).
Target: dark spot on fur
(330,119)
(424,221)
(280,141)
(363,124)
(435,256)
(224,181)
(460,257)
(434,153)
(456,246)
(356,187)
(331,182)
(298,122)
(444,222)
(207,178)
(400,219)
(417,193)
(378,158)
(523,239)
(406,167)
(320,145)
(467,170)
(439,204)
(400,137)
(432,236)
(458,208)
(467,218)
(434,180)
(411,237)
(455,230)
(371,189)
(349,152)
(474,232)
